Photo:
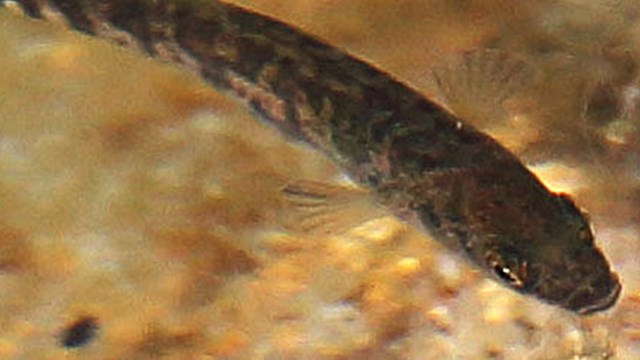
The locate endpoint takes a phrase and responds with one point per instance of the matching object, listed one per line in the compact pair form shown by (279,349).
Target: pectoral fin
(326,209)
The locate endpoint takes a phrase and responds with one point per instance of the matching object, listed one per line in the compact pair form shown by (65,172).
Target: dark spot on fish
(463,236)
(428,216)
(261,53)
(453,217)
(373,179)
(79,333)
(569,206)
(499,203)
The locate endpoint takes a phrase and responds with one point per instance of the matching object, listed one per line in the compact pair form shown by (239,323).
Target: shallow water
(133,194)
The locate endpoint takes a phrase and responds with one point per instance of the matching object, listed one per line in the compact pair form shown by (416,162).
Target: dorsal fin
(475,84)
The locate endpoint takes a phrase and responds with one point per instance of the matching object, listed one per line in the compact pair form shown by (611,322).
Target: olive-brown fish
(419,160)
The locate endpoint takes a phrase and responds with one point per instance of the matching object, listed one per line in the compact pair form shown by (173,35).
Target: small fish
(417,159)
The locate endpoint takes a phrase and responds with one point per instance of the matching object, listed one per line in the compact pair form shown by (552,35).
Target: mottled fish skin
(418,159)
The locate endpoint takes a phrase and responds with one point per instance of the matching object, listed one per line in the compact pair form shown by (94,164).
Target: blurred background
(135,195)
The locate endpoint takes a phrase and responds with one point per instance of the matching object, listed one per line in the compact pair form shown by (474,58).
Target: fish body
(419,160)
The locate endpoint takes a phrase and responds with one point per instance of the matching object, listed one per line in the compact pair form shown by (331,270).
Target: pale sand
(132,193)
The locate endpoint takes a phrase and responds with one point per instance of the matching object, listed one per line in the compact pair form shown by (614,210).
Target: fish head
(555,260)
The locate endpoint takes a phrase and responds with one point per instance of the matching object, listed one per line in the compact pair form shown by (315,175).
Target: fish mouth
(604,302)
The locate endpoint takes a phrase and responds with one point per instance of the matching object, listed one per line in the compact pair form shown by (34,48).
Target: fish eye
(511,272)
(506,274)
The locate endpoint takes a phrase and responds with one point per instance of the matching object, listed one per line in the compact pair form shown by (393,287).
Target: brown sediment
(245,320)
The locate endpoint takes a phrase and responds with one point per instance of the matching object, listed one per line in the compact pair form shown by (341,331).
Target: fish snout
(597,294)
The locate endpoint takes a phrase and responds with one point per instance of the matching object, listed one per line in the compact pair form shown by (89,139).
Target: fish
(415,158)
